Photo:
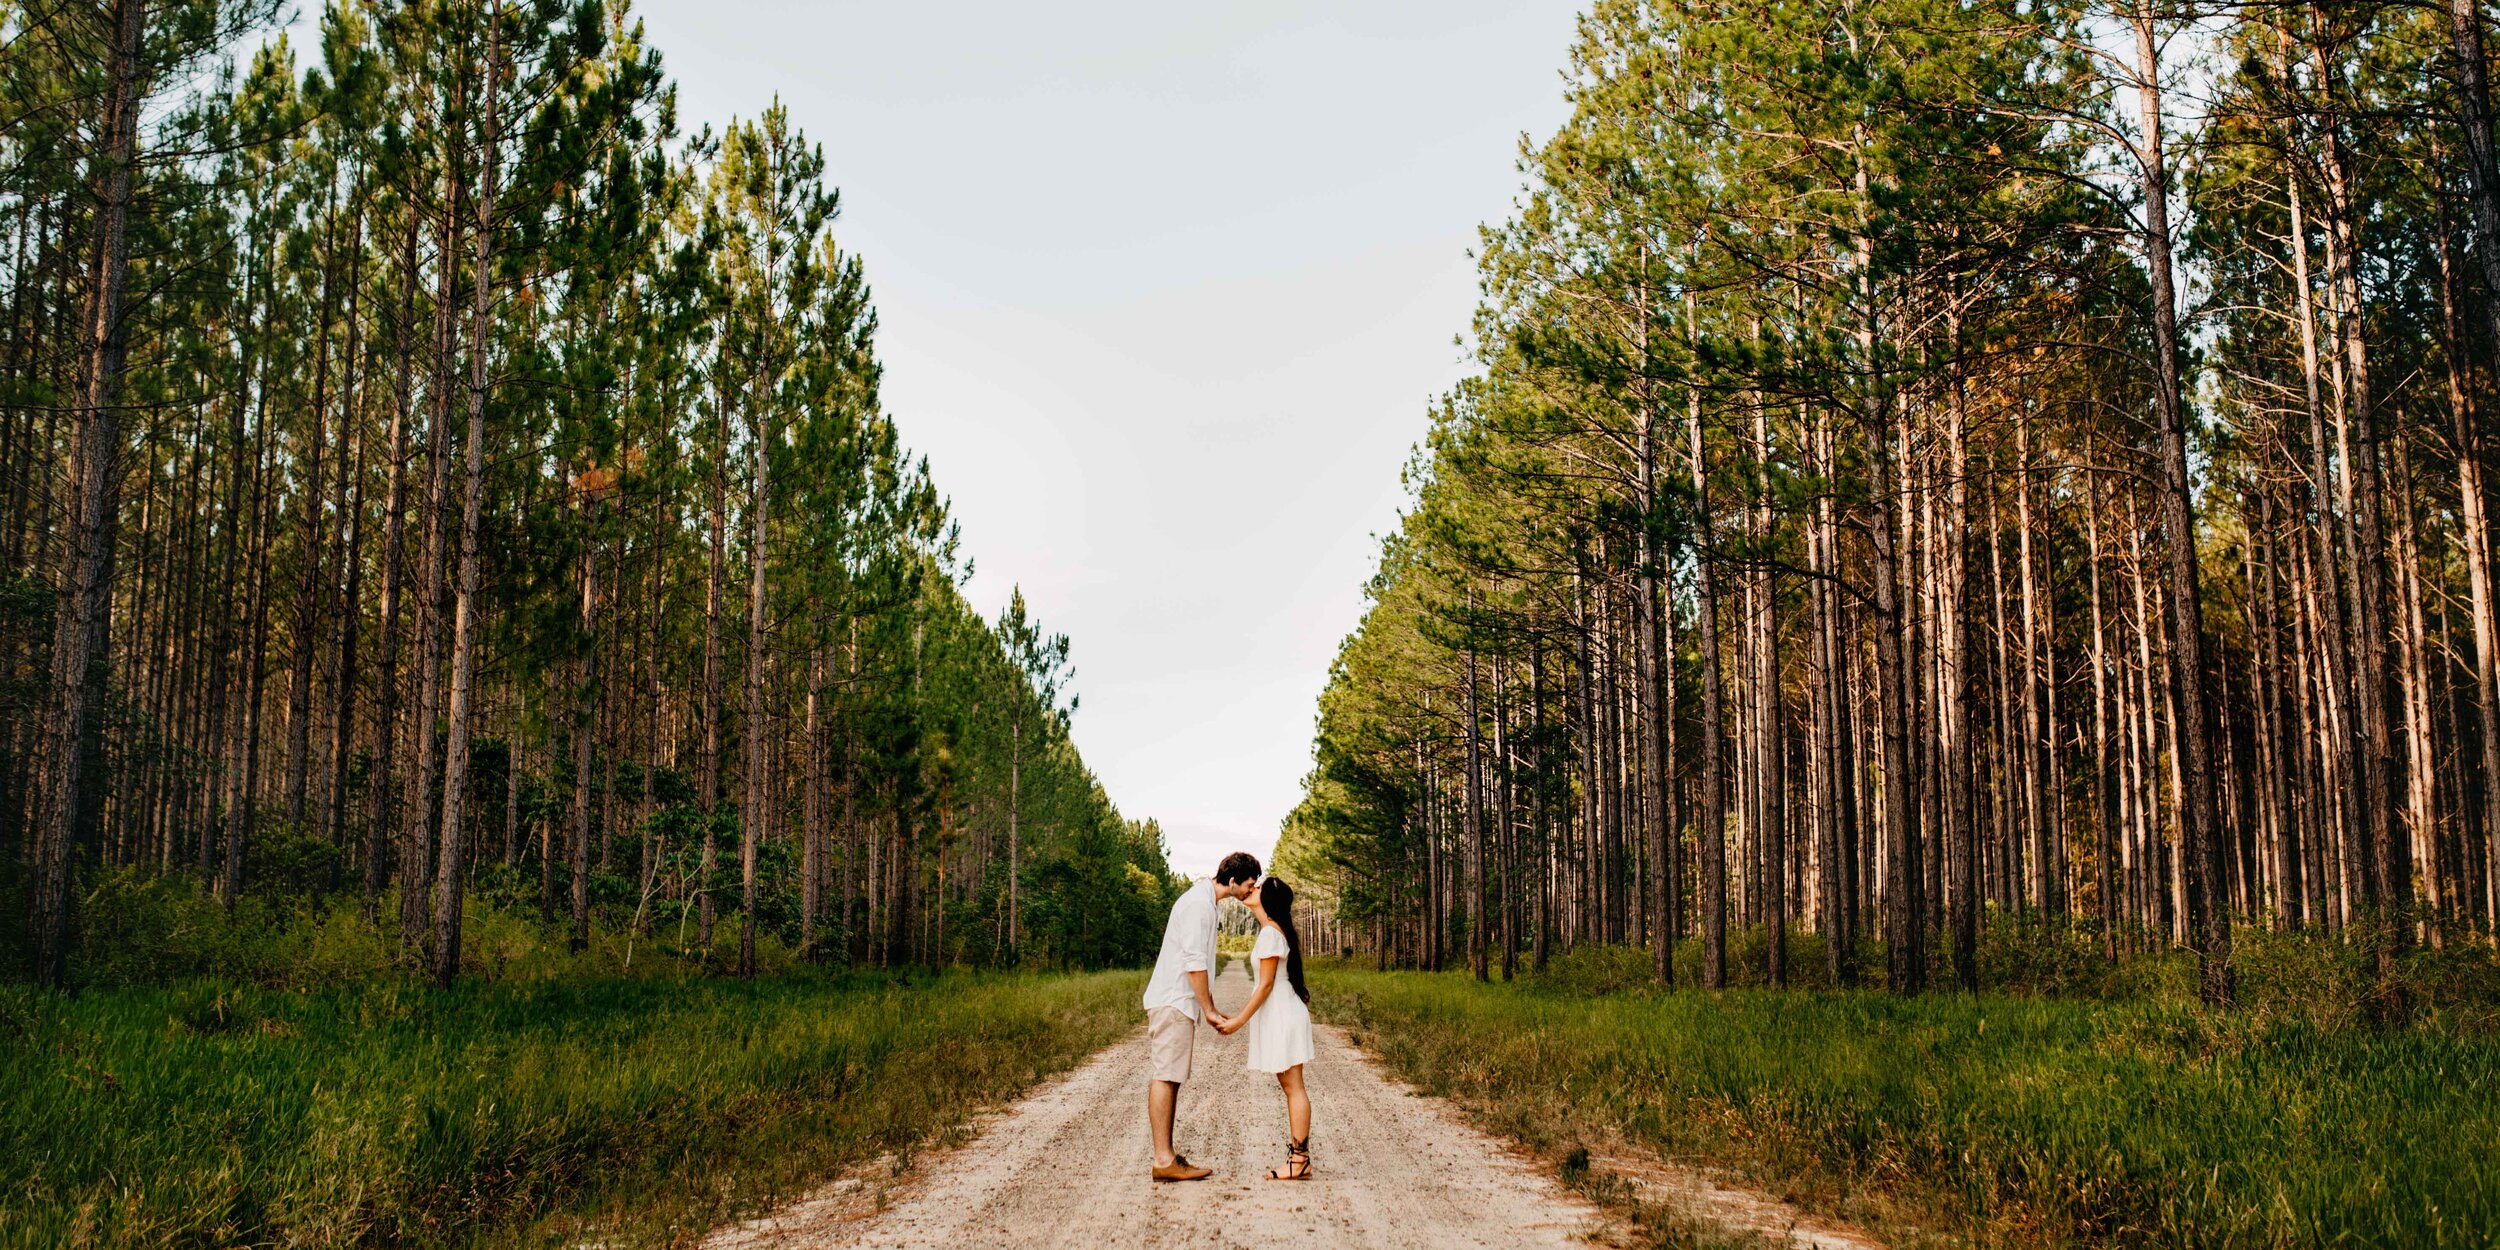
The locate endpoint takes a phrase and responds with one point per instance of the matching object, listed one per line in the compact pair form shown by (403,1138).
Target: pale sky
(1165,289)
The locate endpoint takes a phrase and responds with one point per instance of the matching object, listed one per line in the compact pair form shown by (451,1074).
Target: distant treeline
(1941,460)
(422,463)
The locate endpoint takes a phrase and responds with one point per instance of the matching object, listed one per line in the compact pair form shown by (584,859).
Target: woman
(1280,1030)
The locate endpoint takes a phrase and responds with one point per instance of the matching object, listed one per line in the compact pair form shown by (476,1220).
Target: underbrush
(2116,1111)
(532,1109)
(2331,983)
(138,929)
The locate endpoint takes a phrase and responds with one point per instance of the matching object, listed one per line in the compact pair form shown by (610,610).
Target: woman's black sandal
(1297,1162)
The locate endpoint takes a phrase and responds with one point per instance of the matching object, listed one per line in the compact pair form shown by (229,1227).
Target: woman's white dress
(1280,1034)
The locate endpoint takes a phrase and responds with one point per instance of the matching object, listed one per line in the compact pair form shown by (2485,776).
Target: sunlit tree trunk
(450,875)
(82,624)
(2210,913)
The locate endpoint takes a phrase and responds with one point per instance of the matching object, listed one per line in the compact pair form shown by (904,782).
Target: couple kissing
(1277,1017)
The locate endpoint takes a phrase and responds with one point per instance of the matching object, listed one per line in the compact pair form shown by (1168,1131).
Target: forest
(439,485)
(1947,490)
(1940,664)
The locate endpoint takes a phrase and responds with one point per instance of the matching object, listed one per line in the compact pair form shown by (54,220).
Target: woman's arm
(1267,985)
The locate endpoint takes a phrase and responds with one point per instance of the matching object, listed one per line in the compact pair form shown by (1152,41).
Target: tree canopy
(1938,462)
(431,471)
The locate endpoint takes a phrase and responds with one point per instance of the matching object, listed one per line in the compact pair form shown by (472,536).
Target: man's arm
(1198,962)
(1206,998)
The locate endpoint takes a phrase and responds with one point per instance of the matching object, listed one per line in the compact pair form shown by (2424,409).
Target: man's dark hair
(1237,867)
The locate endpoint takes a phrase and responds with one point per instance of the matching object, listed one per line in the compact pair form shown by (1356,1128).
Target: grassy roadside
(1998,1119)
(500,1113)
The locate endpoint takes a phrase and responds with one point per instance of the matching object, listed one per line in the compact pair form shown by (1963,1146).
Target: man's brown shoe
(1180,1169)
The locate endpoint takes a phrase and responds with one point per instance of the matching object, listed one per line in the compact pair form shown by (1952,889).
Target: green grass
(2003,1120)
(633,1109)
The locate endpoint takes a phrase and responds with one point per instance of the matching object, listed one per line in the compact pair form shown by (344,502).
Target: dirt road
(1067,1167)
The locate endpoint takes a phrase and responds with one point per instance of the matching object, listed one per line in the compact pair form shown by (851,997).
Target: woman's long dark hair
(1276,899)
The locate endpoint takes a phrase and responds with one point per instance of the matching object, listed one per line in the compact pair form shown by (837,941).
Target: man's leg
(1168,1036)
(1162,1097)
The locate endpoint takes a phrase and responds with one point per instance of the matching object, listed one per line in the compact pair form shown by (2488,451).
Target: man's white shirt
(1188,946)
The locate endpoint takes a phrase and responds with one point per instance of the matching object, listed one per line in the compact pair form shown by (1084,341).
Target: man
(1178,997)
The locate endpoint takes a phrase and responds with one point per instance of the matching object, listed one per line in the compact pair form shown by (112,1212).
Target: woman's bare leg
(1298,1122)
(1297,1102)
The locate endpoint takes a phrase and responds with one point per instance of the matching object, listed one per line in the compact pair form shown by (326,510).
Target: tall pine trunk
(2466,434)
(449,875)
(1713,805)
(416,813)
(394,577)
(751,821)
(1474,808)
(2209,911)
(82,623)
(714,587)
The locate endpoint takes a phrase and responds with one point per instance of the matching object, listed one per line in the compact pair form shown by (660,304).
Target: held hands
(1231,1025)
(1220,1022)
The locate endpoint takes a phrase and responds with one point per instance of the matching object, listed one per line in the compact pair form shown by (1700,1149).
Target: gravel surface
(1067,1166)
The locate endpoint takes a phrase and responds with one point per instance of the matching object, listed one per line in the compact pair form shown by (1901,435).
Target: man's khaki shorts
(1169,1035)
